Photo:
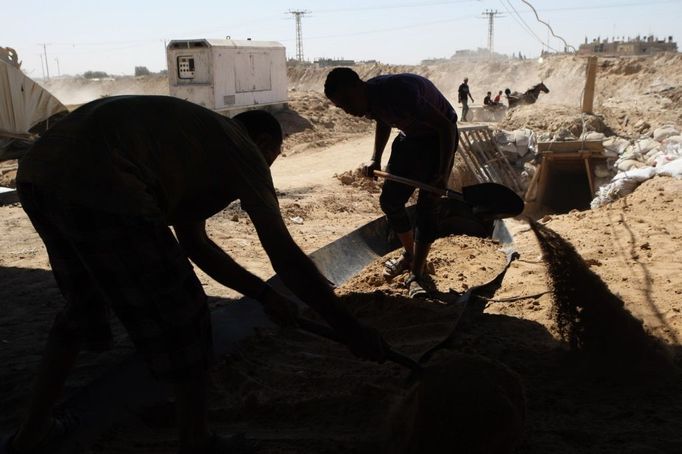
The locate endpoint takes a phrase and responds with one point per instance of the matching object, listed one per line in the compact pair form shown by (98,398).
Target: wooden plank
(479,168)
(465,151)
(590,82)
(504,163)
(572,156)
(498,161)
(571,146)
(588,169)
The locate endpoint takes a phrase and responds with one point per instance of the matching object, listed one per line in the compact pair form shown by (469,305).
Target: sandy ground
(298,394)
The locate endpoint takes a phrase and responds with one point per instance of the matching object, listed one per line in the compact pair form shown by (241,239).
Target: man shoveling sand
(423,151)
(101,188)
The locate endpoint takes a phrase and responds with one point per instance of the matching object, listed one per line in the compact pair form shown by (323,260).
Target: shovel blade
(492,200)
(455,217)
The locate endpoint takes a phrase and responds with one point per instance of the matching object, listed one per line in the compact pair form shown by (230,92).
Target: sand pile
(456,262)
(555,120)
(592,320)
(8,173)
(356,179)
(74,91)
(312,122)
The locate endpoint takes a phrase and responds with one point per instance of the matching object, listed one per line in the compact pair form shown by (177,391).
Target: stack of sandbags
(664,159)
(518,142)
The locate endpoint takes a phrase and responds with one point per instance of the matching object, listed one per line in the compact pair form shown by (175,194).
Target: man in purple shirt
(423,151)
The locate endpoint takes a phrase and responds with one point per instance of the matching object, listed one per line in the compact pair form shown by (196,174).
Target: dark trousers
(417,159)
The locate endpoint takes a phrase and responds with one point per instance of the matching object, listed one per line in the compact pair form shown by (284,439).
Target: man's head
(466,80)
(265,131)
(346,90)
(500,92)
(489,93)
(507,91)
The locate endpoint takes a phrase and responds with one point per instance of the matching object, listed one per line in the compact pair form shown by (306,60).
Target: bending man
(423,151)
(101,188)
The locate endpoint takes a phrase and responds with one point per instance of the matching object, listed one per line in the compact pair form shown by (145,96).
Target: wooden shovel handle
(409,182)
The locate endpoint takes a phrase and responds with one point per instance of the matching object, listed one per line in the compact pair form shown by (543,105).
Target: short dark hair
(339,78)
(258,122)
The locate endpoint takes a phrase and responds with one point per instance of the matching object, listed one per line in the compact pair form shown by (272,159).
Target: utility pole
(47,67)
(298,14)
(491,15)
(42,65)
(59,71)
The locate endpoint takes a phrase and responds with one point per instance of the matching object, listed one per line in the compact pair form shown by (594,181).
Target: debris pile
(356,179)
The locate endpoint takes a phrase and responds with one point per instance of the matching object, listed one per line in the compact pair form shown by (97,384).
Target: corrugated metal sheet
(23,103)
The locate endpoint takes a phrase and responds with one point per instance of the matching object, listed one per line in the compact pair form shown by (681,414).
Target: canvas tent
(24,105)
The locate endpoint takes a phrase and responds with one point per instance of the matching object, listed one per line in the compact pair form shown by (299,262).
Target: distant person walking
(496,101)
(463,97)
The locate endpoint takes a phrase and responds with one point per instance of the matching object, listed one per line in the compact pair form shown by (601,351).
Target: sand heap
(561,122)
(456,264)
(594,321)
(312,122)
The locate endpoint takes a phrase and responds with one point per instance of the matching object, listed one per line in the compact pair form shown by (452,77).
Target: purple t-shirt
(399,100)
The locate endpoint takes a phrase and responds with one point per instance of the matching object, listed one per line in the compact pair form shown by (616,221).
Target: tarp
(23,103)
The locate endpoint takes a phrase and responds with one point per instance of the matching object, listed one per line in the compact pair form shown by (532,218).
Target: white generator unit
(228,76)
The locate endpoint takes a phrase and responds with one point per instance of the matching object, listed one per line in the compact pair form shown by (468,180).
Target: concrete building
(637,46)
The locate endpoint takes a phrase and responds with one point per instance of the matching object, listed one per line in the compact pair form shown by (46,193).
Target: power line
(566,45)
(381,30)
(393,6)
(298,14)
(522,23)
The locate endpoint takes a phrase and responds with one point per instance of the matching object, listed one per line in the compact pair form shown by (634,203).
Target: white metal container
(228,76)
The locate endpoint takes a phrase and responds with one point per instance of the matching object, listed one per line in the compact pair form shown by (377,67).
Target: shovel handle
(409,182)
(331,334)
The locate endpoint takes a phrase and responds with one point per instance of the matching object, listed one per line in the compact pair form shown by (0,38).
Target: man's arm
(381,135)
(214,261)
(303,278)
(472,98)
(447,135)
(221,267)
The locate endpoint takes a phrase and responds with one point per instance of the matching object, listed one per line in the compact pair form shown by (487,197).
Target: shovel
(329,333)
(486,200)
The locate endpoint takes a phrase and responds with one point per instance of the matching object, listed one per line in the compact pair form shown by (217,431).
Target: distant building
(434,61)
(637,46)
(329,62)
(478,54)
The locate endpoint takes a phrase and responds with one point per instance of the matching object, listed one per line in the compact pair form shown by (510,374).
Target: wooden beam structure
(590,82)
(483,159)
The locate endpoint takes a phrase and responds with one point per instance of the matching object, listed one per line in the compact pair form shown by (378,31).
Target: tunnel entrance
(567,186)
(564,179)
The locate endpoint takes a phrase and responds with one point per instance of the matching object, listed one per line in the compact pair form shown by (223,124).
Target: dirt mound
(457,263)
(74,91)
(592,319)
(463,404)
(554,119)
(312,122)
(560,74)
(356,179)
(8,173)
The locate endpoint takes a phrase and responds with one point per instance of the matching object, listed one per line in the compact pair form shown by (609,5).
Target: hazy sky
(116,36)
